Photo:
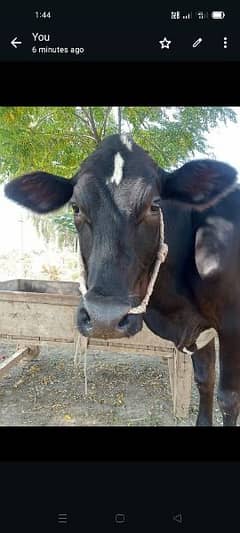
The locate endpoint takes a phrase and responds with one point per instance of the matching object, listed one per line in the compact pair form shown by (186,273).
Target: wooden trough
(34,312)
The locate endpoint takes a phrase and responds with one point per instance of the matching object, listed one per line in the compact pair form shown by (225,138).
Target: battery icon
(218,15)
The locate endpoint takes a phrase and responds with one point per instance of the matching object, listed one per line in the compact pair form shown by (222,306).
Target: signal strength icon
(187,16)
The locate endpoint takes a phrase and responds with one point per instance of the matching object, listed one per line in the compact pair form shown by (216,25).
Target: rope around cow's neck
(161,256)
(82,342)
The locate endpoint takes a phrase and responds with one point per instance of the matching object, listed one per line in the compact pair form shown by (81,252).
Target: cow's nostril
(84,317)
(123,322)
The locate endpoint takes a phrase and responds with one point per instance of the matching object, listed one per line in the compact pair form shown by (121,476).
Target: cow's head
(115,198)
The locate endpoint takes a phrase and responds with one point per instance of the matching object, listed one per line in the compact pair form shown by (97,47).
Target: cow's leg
(204,375)
(229,381)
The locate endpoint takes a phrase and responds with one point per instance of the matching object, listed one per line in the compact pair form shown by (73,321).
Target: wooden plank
(39,298)
(180,376)
(33,351)
(160,349)
(134,348)
(41,286)
(12,360)
(10,285)
(28,339)
(28,320)
(143,341)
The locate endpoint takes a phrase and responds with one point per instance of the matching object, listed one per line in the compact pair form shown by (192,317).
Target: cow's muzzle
(105,318)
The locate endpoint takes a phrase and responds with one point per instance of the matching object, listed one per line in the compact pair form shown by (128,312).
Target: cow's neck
(172,312)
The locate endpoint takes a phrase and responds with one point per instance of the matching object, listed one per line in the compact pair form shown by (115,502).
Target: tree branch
(45,117)
(89,114)
(103,130)
(62,135)
(86,122)
(119,120)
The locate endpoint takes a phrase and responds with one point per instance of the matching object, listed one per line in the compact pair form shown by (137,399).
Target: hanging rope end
(81,349)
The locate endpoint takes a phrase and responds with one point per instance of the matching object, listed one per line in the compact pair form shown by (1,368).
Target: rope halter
(161,257)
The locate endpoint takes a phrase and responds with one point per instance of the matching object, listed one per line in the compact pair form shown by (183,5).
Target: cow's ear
(199,184)
(39,191)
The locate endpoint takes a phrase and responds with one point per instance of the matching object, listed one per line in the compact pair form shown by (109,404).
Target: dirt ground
(123,390)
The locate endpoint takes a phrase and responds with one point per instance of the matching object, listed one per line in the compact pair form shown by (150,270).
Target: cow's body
(198,286)
(185,303)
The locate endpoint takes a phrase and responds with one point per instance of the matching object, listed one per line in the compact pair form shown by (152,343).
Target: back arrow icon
(15,43)
(178,518)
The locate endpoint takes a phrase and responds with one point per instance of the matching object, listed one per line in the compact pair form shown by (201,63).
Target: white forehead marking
(118,169)
(126,141)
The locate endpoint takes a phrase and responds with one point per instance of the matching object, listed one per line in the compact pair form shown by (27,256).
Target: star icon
(165,43)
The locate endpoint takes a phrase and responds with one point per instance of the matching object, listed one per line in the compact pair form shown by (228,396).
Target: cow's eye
(75,208)
(154,208)
(155,205)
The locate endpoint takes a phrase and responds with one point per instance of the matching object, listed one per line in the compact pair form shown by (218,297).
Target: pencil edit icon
(197,42)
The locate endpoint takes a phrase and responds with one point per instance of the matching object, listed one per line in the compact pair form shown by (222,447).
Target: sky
(224,142)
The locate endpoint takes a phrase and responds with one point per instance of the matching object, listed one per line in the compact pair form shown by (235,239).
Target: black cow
(116,196)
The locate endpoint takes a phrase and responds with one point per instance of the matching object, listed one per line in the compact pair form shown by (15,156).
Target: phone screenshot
(119,268)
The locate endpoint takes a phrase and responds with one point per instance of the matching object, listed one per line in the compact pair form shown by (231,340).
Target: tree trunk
(119,120)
